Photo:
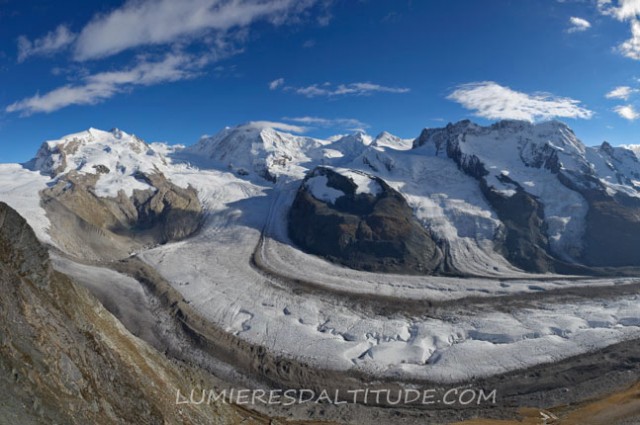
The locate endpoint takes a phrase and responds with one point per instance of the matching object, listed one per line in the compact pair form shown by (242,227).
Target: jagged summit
(565,184)
(507,145)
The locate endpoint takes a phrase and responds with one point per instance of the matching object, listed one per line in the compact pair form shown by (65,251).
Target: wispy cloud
(215,28)
(627,112)
(98,87)
(53,42)
(309,44)
(352,89)
(159,22)
(492,101)
(578,24)
(276,83)
(621,92)
(625,10)
(350,124)
(631,47)
(291,128)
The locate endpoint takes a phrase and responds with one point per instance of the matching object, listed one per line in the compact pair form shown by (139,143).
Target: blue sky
(174,70)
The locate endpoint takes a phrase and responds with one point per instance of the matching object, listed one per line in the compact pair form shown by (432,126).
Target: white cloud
(621,10)
(276,83)
(217,27)
(350,124)
(54,41)
(493,101)
(578,24)
(158,22)
(96,88)
(278,126)
(625,10)
(622,92)
(353,89)
(631,47)
(627,112)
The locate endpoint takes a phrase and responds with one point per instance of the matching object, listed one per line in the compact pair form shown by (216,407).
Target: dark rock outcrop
(523,238)
(365,231)
(20,248)
(612,234)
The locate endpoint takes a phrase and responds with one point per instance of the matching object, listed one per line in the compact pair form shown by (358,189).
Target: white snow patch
(365,183)
(318,186)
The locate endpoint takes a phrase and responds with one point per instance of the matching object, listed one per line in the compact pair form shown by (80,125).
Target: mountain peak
(256,147)
(388,140)
(115,156)
(117,133)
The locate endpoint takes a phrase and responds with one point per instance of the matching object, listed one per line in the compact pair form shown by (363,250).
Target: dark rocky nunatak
(374,232)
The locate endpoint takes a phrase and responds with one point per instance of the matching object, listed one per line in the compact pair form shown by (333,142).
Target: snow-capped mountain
(255,149)
(545,172)
(513,195)
(388,140)
(515,156)
(106,194)
(115,156)
(511,190)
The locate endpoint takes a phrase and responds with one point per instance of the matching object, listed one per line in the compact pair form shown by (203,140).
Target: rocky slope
(365,225)
(65,359)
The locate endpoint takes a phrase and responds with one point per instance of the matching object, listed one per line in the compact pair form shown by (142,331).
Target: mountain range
(513,195)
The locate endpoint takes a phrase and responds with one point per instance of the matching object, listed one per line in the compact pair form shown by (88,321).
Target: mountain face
(358,220)
(253,149)
(562,204)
